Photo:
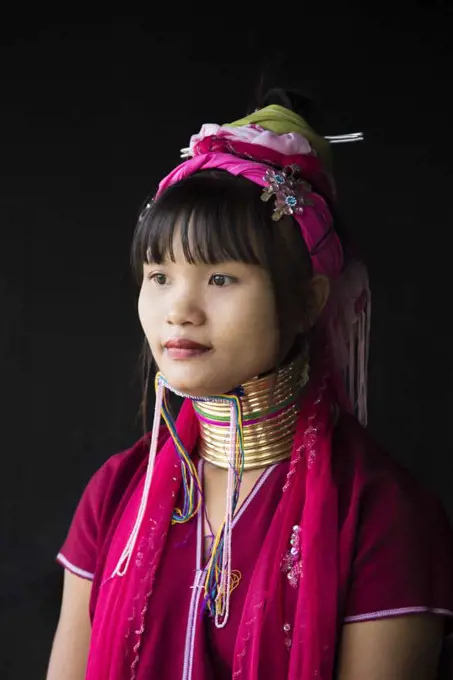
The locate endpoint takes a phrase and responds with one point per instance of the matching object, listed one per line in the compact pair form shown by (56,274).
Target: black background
(93,112)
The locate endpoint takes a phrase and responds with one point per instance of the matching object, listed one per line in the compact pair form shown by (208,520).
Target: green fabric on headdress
(280,120)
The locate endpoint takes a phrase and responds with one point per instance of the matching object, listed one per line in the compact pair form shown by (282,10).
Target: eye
(158,278)
(221,280)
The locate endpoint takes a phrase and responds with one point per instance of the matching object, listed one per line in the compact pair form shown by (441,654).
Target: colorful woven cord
(220,580)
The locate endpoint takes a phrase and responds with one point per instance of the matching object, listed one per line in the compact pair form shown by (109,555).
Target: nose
(185,309)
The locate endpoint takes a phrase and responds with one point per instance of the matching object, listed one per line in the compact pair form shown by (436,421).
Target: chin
(195,390)
(195,383)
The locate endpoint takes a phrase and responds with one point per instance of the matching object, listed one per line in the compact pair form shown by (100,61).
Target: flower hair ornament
(289,190)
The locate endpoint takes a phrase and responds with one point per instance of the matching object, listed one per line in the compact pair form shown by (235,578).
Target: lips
(184,343)
(181,349)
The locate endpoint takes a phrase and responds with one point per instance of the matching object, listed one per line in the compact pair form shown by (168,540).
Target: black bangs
(218,217)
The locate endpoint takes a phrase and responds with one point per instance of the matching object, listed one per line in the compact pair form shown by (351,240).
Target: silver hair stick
(186,153)
(342,139)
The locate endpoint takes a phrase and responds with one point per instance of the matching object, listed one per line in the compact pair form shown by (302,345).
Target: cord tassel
(124,561)
(224,591)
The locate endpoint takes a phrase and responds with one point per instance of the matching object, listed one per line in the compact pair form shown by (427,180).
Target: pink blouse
(403,559)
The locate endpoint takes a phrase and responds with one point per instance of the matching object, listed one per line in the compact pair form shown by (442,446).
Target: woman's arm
(69,655)
(399,648)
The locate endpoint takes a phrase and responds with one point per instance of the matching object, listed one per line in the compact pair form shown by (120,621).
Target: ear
(318,291)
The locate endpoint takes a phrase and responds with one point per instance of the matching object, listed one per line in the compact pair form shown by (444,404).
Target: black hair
(301,101)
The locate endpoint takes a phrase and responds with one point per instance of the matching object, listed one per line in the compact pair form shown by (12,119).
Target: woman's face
(227,309)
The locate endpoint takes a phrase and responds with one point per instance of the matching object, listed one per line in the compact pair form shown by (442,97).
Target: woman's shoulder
(362,464)
(120,469)
(379,496)
(119,466)
(394,527)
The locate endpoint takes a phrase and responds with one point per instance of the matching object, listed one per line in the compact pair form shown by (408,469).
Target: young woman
(263,534)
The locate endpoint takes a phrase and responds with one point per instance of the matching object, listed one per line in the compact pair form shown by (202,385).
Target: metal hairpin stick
(341,139)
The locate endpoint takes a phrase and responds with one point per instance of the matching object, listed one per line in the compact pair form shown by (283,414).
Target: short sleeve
(102,499)
(79,551)
(404,553)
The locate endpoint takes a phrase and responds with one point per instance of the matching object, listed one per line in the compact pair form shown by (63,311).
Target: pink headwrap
(316,222)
